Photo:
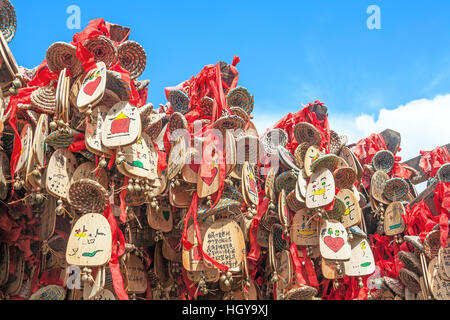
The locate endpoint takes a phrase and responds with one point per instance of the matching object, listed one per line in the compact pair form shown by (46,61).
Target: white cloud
(423,124)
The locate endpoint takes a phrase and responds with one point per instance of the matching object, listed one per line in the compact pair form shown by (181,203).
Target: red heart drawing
(90,88)
(210,178)
(334,244)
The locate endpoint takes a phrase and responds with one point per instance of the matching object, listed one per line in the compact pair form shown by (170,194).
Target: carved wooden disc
(90,241)
(333,241)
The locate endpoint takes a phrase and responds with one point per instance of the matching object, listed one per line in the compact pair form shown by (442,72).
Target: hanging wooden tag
(262,237)
(320,191)
(170,251)
(177,158)
(160,218)
(300,187)
(65,100)
(208,174)
(362,262)
(249,187)
(4,263)
(286,158)
(39,145)
(332,269)
(15,280)
(444,254)
(48,219)
(5,175)
(269,184)
(192,259)
(104,294)
(137,159)
(26,137)
(122,125)
(59,172)
(224,242)
(94,129)
(93,86)
(230,152)
(283,210)
(352,215)
(284,269)
(377,182)
(304,231)
(58,94)
(439,285)
(137,277)
(90,241)
(181,196)
(393,219)
(311,155)
(32,181)
(210,275)
(91,290)
(190,169)
(333,241)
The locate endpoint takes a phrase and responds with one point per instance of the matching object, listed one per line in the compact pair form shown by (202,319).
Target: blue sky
(292,52)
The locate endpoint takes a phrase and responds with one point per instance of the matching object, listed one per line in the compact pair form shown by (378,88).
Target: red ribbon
(193,211)
(430,162)
(116,252)
(442,203)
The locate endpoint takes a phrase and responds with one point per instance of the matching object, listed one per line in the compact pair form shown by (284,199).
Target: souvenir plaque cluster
(105,197)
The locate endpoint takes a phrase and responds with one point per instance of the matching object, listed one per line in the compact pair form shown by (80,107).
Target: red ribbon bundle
(431,161)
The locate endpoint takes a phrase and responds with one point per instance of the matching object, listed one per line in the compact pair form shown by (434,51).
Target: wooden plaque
(269,183)
(5,175)
(439,284)
(333,241)
(304,230)
(208,174)
(93,86)
(249,185)
(59,173)
(362,262)
(330,269)
(161,219)
(190,169)
(177,158)
(444,254)
(26,137)
(122,125)
(104,294)
(311,155)
(284,269)
(94,129)
(393,220)
(192,259)
(48,219)
(283,210)
(39,145)
(137,159)
(300,187)
(15,281)
(230,152)
(90,241)
(320,191)
(136,275)
(352,215)
(377,182)
(210,274)
(224,242)
(4,263)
